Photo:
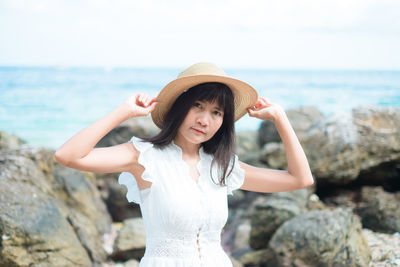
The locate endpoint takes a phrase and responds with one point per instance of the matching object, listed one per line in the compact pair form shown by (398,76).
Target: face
(201,122)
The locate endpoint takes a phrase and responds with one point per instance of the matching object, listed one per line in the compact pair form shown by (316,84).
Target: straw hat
(245,95)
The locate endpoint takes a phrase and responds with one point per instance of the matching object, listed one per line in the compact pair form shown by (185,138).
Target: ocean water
(47,105)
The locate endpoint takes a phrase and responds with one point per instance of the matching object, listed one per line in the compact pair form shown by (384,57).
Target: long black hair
(222,144)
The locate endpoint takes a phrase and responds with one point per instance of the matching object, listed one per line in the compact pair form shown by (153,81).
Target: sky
(281,34)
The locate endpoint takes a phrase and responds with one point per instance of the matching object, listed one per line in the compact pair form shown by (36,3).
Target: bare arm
(79,152)
(298,174)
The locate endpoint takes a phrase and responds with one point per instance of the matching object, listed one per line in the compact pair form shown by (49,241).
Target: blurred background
(65,64)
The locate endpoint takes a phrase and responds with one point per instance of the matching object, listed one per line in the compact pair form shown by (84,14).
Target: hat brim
(245,95)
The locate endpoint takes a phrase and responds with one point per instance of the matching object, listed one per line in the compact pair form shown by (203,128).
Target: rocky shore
(51,215)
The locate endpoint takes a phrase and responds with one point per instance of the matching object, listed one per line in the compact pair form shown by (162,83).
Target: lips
(199,131)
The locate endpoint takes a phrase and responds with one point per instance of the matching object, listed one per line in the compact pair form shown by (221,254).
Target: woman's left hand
(266,110)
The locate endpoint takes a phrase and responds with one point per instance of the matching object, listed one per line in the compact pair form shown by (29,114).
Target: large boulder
(379,210)
(49,215)
(364,143)
(131,240)
(321,238)
(300,118)
(273,211)
(34,231)
(246,142)
(138,126)
(247,148)
(115,198)
(113,193)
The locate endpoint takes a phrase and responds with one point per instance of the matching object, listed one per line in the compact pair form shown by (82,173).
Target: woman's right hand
(140,105)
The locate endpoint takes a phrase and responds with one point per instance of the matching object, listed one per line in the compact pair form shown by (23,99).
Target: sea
(45,106)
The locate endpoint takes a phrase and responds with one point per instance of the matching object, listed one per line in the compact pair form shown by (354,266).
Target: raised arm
(79,152)
(298,174)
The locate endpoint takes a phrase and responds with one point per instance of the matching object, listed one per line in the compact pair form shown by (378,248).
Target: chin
(198,140)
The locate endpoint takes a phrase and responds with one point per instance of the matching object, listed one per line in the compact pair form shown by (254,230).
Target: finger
(257,104)
(138,99)
(267,100)
(252,113)
(264,102)
(259,101)
(154,99)
(152,106)
(146,100)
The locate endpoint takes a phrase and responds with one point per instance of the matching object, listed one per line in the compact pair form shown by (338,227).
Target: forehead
(212,103)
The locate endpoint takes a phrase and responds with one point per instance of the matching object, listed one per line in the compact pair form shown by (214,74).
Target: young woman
(181,177)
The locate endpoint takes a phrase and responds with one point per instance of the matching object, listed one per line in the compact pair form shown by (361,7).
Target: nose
(203,119)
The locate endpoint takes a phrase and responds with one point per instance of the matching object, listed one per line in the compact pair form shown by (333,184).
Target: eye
(197,104)
(217,113)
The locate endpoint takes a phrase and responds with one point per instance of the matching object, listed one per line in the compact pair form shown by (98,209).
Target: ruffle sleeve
(236,179)
(145,159)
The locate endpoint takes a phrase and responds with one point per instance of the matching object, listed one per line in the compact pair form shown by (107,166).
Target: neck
(187,147)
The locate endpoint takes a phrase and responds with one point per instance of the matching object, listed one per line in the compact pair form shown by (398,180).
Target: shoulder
(145,152)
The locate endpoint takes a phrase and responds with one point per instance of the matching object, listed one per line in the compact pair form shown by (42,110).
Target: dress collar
(202,166)
(179,149)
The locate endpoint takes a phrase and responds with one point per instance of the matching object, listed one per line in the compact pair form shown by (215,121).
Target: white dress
(181,216)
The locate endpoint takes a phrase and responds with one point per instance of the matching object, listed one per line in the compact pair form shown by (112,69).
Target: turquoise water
(46,106)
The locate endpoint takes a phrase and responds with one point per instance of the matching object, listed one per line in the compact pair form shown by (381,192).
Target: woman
(181,176)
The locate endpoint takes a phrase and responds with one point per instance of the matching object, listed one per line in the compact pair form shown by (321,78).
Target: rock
(314,203)
(247,148)
(129,263)
(273,211)
(239,217)
(33,228)
(83,208)
(132,263)
(113,193)
(65,214)
(321,238)
(386,174)
(273,155)
(131,240)
(262,257)
(385,248)
(109,238)
(246,141)
(346,146)
(379,210)
(236,263)
(242,234)
(139,126)
(300,118)
(10,141)
(343,197)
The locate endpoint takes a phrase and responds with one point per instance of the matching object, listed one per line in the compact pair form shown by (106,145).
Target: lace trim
(133,193)
(183,246)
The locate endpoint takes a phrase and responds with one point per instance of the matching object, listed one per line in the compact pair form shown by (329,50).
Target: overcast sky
(281,34)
